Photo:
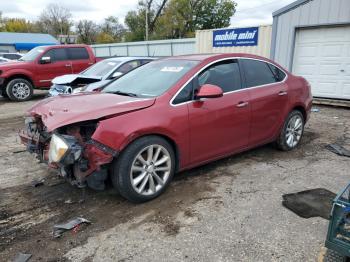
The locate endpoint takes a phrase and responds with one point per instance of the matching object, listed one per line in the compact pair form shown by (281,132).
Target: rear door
(219,126)
(268,98)
(80,59)
(59,65)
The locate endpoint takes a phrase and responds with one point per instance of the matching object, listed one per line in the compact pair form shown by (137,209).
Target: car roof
(203,57)
(129,58)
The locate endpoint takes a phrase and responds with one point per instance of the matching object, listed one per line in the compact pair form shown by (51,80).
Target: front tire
(144,169)
(19,90)
(292,131)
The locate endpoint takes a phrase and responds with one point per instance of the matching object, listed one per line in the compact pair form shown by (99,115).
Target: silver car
(97,76)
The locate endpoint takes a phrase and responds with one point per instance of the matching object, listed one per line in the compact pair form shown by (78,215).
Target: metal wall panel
(310,13)
(204,43)
(147,48)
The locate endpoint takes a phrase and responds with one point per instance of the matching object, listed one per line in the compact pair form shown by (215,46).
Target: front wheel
(144,169)
(19,89)
(291,132)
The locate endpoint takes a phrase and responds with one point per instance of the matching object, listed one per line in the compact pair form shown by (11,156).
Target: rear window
(78,53)
(257,73)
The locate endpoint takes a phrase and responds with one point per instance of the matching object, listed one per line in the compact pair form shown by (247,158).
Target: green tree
(111,26)
(136,20)
(18,25)
(187,16)
(104,38)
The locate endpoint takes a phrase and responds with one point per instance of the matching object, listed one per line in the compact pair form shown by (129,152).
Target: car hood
(75,79)
(94,86)
(14,64)
(68,109)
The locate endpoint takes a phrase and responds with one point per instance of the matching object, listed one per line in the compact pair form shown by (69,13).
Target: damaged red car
(169,115)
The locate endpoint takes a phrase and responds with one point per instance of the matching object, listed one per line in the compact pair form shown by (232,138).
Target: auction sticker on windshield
(174,69)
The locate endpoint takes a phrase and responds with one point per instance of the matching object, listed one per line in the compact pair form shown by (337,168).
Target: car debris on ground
(21,257)
(37,183)
(338,149)
(310,203)
(59,229)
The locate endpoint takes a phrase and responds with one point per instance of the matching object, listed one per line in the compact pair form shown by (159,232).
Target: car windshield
(101,68)
(152,79)
(32,54)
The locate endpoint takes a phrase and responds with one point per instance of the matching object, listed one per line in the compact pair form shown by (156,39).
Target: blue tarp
(29,46)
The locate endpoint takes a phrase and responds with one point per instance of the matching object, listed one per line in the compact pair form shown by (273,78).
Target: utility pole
(146,21)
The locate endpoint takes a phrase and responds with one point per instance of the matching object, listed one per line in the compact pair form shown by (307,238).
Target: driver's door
(219,126)
(59,65)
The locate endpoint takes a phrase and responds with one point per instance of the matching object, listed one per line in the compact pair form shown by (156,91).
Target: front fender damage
(85,161)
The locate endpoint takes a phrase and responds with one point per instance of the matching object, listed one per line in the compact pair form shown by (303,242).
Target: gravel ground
(229,210)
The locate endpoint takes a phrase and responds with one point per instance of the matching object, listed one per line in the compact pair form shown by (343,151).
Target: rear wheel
(19,89)
(291,132)
(144,169)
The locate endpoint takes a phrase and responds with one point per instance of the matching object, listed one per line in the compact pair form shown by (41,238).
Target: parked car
(4,60)
(11,56)
(100,74)
(39,66)
(166,116)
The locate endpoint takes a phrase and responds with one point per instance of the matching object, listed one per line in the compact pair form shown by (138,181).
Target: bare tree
(87,31)
(55,20)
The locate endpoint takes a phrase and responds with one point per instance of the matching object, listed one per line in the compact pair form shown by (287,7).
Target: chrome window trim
(239,90)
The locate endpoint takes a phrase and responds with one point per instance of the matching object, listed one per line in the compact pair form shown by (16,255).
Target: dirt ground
(229,210)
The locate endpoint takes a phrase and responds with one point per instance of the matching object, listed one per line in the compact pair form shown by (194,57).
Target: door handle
(242,104)
(67,65)
(282,93)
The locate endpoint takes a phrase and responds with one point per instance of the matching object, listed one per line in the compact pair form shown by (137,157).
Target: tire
(3,93)
(19,90)
(292,131)
(144,182)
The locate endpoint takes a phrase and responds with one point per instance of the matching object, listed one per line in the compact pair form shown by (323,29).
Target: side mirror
(45,60)
(209,91)
(117,74)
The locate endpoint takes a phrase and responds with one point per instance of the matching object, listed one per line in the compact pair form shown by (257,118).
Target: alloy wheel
(294,131)
(20,90)
(150,170)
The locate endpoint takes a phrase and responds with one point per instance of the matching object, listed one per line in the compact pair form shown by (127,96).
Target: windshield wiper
(124,93)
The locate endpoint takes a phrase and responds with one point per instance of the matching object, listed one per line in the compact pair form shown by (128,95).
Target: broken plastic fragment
(21,257)
(338,149)
(71,224)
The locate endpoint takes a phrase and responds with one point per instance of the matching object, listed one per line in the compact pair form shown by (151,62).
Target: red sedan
(169,115)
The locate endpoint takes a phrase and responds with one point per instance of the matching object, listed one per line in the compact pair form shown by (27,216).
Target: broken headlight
(58,148)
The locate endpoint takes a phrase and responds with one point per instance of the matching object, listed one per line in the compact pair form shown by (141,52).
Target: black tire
(3,93)
(121,169)
(282,141)
(19,89)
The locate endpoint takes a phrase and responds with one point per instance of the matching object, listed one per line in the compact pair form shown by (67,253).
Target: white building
(311,38)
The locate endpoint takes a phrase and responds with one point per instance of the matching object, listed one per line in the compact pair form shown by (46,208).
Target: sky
(249,12)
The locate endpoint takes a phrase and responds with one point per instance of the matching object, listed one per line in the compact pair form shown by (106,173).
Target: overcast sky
(249,12)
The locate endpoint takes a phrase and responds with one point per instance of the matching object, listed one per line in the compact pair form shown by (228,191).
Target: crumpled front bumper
(79,161)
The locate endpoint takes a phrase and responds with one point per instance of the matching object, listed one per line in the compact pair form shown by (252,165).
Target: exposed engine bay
(70,150)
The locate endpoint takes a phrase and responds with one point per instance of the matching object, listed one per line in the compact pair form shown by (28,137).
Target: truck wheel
(144,169)
(19,89)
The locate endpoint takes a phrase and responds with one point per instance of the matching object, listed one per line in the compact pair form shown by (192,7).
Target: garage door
(322,56)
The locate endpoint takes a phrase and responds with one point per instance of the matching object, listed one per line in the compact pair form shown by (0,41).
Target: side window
(78,53)
(223,74)
(278,73)
(128,66)
(257,73)
(58,54)
(185,94)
